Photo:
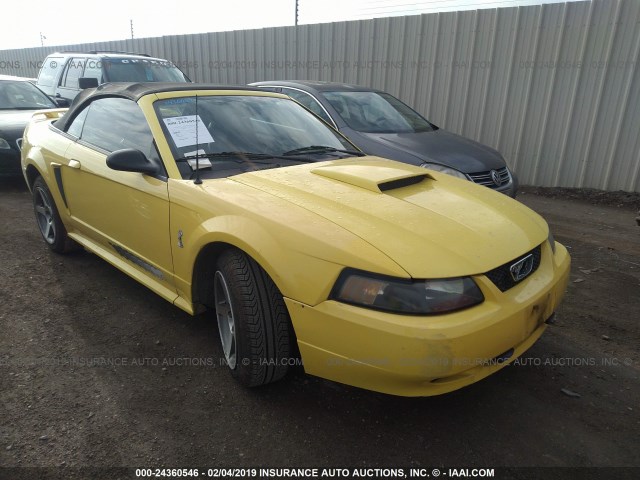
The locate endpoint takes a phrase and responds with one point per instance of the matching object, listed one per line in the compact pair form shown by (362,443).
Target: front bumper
(422,356)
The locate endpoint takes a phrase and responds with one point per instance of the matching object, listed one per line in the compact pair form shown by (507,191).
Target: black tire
(48,219)
(252,315)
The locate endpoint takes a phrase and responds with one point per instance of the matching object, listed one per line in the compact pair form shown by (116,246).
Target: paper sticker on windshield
(201,163)
(183,130)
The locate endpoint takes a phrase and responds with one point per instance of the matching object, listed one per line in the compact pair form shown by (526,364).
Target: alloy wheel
(226,321)
(44,216)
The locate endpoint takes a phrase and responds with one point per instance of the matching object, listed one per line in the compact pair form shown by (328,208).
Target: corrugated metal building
(554,87)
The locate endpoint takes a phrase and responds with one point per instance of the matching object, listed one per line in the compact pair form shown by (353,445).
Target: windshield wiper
(243,156)
(322,149)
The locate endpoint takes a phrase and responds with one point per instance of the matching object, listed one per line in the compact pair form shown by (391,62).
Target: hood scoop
(375,178)
(402,182)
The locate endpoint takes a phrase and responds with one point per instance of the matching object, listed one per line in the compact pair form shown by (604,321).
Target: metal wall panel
(554,87)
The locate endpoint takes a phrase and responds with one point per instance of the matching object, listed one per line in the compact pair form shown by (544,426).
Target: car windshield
(269,131)
(22,95)
(141,70)
(376,112)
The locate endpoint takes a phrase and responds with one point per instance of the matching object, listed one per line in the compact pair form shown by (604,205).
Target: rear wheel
(255,329)
(48,219)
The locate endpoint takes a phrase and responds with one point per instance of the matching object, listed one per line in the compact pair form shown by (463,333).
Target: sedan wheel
(48,219)
(226,322)
(255,329)
(44,215)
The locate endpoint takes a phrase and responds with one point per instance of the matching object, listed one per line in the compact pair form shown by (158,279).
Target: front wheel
(48,219)
(255,329)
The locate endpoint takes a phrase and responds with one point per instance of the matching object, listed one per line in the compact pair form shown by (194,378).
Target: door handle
(74,164)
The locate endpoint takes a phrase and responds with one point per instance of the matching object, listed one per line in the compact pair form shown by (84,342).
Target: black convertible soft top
(134,91)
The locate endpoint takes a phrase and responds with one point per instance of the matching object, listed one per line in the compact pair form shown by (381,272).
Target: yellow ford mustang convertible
(240,202)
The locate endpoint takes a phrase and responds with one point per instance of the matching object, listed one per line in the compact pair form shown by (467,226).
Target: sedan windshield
(22,95)
(275,131)
(377,112)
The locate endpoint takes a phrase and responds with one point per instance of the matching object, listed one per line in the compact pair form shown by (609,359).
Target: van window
(140,70)
(93,69)
(75,67)
(50,68)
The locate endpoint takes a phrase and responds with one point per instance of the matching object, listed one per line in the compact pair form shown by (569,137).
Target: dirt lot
(66,402)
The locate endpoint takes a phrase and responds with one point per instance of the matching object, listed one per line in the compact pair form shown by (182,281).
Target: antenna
(198,180)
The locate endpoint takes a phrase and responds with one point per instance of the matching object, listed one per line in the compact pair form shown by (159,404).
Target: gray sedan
(380,124)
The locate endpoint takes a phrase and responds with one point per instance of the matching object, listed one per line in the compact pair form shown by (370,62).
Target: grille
(501,276)
(485,178)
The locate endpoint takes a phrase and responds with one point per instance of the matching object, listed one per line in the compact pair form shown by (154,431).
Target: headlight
(4,145)
(552,242)
(398,295)
(443,169)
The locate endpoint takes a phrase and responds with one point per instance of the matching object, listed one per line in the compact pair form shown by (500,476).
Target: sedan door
(123,215)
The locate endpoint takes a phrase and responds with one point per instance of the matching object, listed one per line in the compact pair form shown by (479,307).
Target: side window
(75,67)
(309,102)
(93,69)
(50,67)
(75,128)
(116,123)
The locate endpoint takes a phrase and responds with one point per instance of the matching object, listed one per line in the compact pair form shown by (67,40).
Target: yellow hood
(432,225)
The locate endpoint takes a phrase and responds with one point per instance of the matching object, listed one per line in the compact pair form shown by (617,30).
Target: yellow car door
(122,215)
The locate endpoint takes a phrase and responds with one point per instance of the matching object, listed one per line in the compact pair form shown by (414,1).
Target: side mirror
(87,82)
(61,102)
(131,160)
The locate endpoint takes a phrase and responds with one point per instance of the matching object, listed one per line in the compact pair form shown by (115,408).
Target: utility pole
(42,39)
(131,23)
(296,23)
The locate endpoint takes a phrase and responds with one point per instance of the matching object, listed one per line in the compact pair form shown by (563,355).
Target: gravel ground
(97,371)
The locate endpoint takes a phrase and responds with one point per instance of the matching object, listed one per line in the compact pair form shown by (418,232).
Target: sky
(66,22)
